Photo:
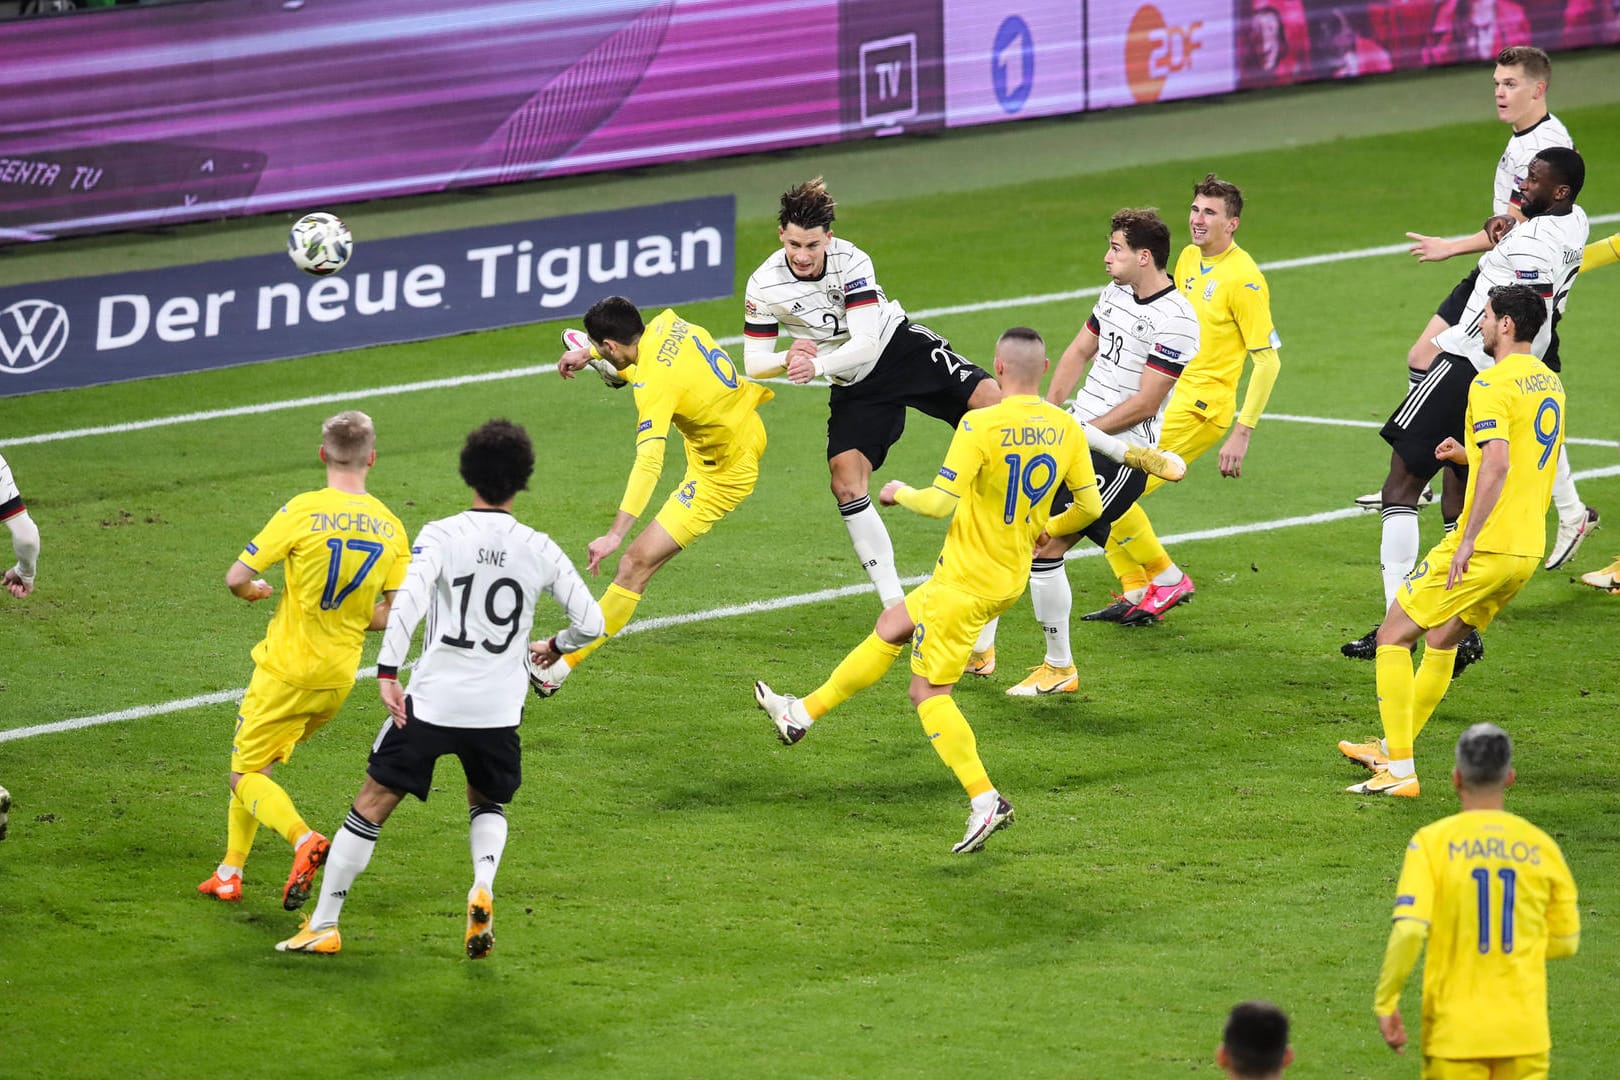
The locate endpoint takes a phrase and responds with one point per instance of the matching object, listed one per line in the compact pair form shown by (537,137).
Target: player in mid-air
(345,555)
(682,378)
(823,292)
(1545,252)
(1139,337)
(1232,301)
(1006,470)
(476,578)
(1520,79)
(1514,426)
(1494,899)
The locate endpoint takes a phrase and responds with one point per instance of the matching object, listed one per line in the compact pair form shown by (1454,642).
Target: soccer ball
(319,244)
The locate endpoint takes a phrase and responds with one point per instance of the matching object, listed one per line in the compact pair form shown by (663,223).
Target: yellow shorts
(706,494)
(1528,1067)
(276,717)
(1487,585)
(948,623)
(1190,431)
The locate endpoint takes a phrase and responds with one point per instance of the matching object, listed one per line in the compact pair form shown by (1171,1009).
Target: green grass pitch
(682,897)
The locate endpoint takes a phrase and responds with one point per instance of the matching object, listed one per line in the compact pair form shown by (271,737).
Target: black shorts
(918,369)
(1120,487)
(1452,307)
(403,757)
(1433,410)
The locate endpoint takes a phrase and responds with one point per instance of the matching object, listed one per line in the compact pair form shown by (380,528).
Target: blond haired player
(345,554)
(1514,427)
(1494,899)
(682,378)
(1230,296)
(1003,475)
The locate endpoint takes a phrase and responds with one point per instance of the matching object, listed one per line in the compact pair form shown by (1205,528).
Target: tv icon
(888,80)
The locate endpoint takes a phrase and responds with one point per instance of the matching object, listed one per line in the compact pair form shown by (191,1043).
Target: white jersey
(11,500)
(476,577)
(822,309)
(1522,147)
(1543,253)
(1158,332)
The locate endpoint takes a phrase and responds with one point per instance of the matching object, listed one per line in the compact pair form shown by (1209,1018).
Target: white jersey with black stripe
(1522,147)
(778,302)
(476,577)
(1543,253)
(8,490)
(1134,334)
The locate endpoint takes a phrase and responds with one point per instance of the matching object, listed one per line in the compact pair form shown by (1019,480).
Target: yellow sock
(1134,536)
(265,800)
(1432,682)
(240,828)
(1130,574)
(952,739)
(1395,679)
(865,665)
(618,604)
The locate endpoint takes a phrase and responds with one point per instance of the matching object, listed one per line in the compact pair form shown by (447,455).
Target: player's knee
(847,489)
(1401,488)
(1420,356)
(986,394)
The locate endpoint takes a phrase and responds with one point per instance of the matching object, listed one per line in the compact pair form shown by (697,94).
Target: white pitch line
(1332,421)
(540,369)
(753,607)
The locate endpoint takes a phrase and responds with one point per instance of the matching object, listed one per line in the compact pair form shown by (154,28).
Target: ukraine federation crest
(1209,291)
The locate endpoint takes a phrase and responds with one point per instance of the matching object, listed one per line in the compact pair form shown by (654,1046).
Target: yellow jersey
(342,551)
(1233,304)
(682,377)
(1494,890)
(1521,400)
(1003,467)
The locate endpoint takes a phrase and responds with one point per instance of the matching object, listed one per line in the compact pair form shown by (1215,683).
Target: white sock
(987,636)
(1170,576)
(800,715)
(1053,600)
(1109,446)
(985,802)
(1564,495)
(873,547)
(1402,768)
(226,871)
(487,838)
(349,854)
(1398,552)
(1134,595)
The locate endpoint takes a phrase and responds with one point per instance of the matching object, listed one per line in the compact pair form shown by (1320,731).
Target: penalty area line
(541,369)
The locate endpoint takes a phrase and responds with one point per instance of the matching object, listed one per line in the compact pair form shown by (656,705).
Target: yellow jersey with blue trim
(683,377)
(1230,296)
(1521,400)
(1004,466)
(1494,890)
(342,552)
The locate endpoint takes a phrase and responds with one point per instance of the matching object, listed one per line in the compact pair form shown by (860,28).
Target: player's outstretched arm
(1601,253)
(1426,248)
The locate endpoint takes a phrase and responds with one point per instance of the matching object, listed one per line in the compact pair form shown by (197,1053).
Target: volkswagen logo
(32,334)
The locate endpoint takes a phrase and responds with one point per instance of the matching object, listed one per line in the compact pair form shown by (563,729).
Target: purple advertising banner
(151,115)
(85,331)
